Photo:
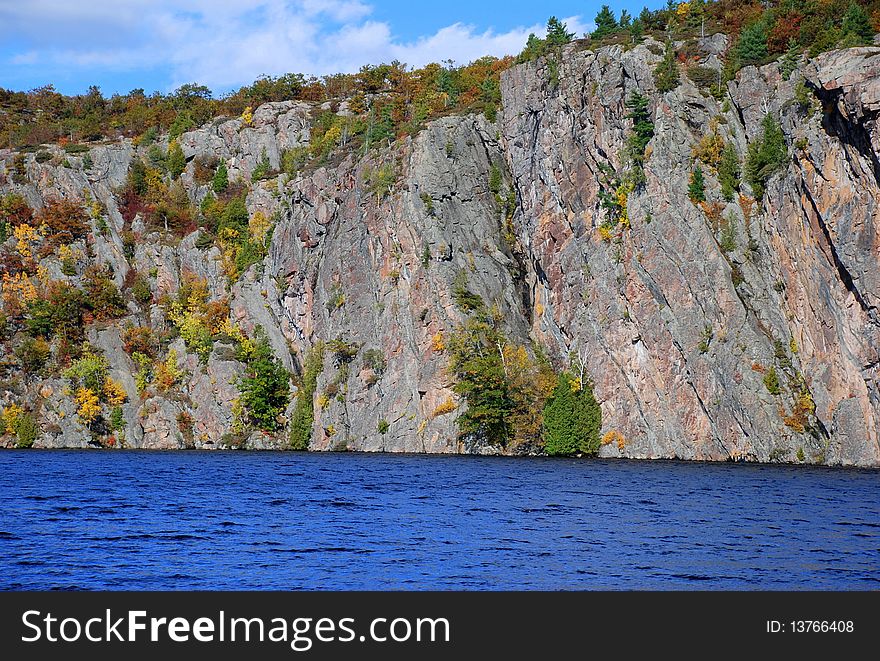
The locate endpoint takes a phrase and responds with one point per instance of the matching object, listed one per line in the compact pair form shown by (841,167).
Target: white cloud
(226,43)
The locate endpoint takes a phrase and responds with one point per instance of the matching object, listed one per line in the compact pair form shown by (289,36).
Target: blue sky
(120,45)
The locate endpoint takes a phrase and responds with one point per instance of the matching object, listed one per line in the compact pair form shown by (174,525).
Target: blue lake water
(205,521)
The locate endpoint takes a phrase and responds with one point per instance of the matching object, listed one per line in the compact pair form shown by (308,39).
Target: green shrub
(771,381)
(141,290)
(464,298)
(220,182)
(294,160)
(26,430)
(495,179)
(181,124)
(374,359)
(59,313)
(157,157)
(89,371)
(304,411)
(265,387)
(261,171)
(102,296)
(32,353)
(383,426)
(381,182)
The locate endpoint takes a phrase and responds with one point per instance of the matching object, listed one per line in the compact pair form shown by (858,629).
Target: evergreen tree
(752,46)
(535,48)
(649,19)
(729,172)
(625,20)
(606,23)
(856,23)
(221,178)
(572,419)
(560,420)
(637,30)
(666,73)
(176,160)
(697,187)
(790,59)
(557,32)
(137,177)
(766,156)
(642,132)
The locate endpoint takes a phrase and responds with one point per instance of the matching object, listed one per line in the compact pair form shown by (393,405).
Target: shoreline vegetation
(586,459)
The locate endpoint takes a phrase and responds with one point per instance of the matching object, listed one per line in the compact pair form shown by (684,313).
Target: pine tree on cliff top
(557,32)
(606,23)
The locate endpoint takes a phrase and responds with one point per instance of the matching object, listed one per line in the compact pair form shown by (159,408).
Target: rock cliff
(681,312)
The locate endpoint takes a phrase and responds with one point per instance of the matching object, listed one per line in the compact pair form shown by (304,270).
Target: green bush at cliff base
(572,419)
(304,411)
(265,387)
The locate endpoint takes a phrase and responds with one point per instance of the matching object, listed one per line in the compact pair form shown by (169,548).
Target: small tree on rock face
(766,156)
(790,60)
(221,178)
(697,187)
(666,75)
(642,132)
(729,172)
(176,161)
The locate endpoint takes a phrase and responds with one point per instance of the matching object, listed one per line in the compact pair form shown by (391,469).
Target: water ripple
(141,521)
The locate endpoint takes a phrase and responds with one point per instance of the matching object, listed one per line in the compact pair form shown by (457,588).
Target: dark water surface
(150,521)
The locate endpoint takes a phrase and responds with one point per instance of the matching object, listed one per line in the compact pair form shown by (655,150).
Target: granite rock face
(680,331)
(681,314)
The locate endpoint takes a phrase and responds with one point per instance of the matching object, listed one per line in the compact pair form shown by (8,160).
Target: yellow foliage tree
(18,291)
(10,416)
(437,343)
(89,406)
(258,227)
(168,373)
(114,393)
(25,236)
